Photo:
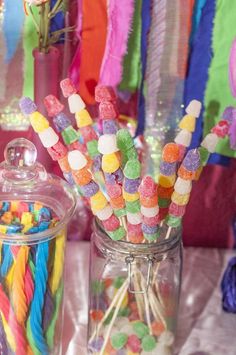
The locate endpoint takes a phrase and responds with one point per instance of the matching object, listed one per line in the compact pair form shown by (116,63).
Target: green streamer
(218,95)
(51,329)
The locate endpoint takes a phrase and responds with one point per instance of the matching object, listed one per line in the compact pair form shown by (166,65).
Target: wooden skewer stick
(138,297)
(147,309)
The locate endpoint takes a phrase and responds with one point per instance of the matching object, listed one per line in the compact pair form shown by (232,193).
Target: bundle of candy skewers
(106,170)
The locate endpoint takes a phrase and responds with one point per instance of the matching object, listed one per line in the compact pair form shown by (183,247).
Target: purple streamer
(228,287)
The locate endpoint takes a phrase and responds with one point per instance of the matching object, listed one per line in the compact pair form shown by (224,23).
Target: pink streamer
(119,23)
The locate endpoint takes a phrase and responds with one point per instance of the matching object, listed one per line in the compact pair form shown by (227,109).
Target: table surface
(203,328)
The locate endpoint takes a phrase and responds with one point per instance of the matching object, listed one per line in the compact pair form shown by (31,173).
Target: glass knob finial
(20,153)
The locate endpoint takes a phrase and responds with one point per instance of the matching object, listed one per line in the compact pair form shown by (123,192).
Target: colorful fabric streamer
(119,17)
(228,287)
(197,13)
(57,22)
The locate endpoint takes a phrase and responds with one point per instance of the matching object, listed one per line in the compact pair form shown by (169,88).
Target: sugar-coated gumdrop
(150,211)
(186,174)
(131,153)
(183,186)
(134,218)
(149,201)
(77,146)
(157,328)
(204,155)
(167,181)
(118,234)
(104,93)
(38,122)
(194,108)
(27,106)
(177,210)
(119,340)
(67,87)
(64,164)
(108,110)
(134,343)
(188,122)
(61,122)
(82,176)
(166,337)
(58,151)
(83,118)
(148,343)
(113,190)
(180,199)
(88,133)
(111,224)
(149,229)
(221,129)
(210,142)
(148,187)
(92,147)
(75,103)
(132,169)
(105,213)
(124,140)
(113,178)
(134,238)
(167,168)
(152,221)
(48,137)
(76,160)
(164,192)
(133,207)
(173,221)
(184,138)
(134,228)
(98,202)
(130,197)
(120,212)
(163,202)
(140,329)
(90,189)
(192,160)
(117,202)
(107,144)
(96,315)
(131,185)
(229,114)
(182,151)
(170,153)
(53,105)
(109,127)
(110,163)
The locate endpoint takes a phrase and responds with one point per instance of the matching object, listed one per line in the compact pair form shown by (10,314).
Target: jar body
(134,296)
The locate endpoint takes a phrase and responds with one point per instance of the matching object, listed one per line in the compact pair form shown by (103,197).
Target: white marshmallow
(76,104)
(183,186)
(134,218)
(107,144)
(167,338)
(194,108)
(48,137)
(184,138)
(149,211)
(76,160)
(210,142)
(105,213)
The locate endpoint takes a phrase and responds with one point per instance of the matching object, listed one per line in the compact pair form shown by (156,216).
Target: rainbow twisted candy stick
(56,273)
(7,259)
(41,277)
(3,341)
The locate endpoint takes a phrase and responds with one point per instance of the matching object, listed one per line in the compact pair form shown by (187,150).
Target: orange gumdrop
(117,202)
(134,238)
(186,174)
(149,201)
(170,153)
(107,282)
(82,177)
(157,328)
(64,165)
(109,349)
(165,192)
(96,315)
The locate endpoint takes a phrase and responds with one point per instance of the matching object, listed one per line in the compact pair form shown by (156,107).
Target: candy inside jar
(134,294)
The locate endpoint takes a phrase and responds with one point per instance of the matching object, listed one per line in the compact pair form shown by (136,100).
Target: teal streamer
(13,22)
(36,311)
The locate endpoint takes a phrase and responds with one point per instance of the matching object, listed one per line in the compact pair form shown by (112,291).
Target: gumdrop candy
(173,221)
(147,229)
(182,151)
(77,160)
(152,221)
(134,218)
(221,129)
(180,199)
(163,202)
(183,186)
(167,168)
(149,201)
(61,122)
(27,106)
(165,192)
(98,201)
(88,133)
(192,160)
(186,174)
(92,147)
(167,181)
(140,329)
(67,87)
(148,187)
(75,103)
(48,137)
(109,127)
(118,234)
(53,105)
(131,185)
(114,190)
(107,110)
(38,122)
(188,122)
(204,155)
(107,144)
(134,228)
(90,189)
(77,146)
(118,202)
(194,108)
(150,211)
(83,118)
(166,337)
(132,169)
(58,151)
(133,207)
(134,343)
(104,93)
(170,153)
(105,213)
(64,164)
(112,223)
(184,138)
(124,140)
(110,163)
(210,142)
(115,177)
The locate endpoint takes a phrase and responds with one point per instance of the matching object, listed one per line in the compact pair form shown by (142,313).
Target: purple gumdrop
(61,122)
(115,177)
(131,185)
(96,344)
(232,134)
(90,189)
(97,162)
(167,169)
(27,106)
(109,127)
(227,115)
(192,160)
(149,230)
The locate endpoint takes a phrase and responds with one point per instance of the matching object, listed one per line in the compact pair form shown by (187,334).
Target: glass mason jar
(35,208)
(134,295)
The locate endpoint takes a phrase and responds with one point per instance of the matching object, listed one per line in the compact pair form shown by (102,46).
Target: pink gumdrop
(232,68)
(135,228)
(108,110)
(88,134)
(152,221)
(67,87)
(148,187)
(176,210)
(134,343)
(114,191)
(53,105)
(104,93)
(77,146)
(58,151)
(221,129)
(111,223)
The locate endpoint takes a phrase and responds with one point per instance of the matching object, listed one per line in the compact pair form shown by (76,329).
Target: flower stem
(55,8)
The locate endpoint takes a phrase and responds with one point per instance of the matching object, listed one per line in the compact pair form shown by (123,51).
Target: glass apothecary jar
(134,294)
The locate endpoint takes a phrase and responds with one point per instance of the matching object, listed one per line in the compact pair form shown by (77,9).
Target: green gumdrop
(124,312)
(163,202)
(132,169)
(132,207)
(148,343)
(132,153)
(204,155)
(124,140)
(92,148)
(118,282)
(97,287)
(69,135)
(118,234)
(151,237)
(140,329)
(119,340)
(173,221)
(120,212)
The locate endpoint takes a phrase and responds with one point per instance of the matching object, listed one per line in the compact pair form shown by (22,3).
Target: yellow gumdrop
(83,118)
(188,122)
(38,122)
(3,229)
(130,197)
(198,173)
(167,181)
(98,201)
(110,163)
(180,200)
(26,218)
